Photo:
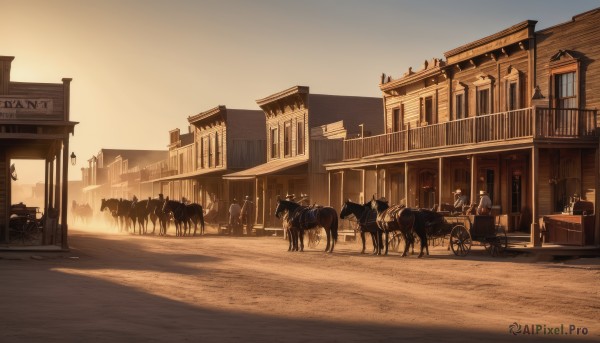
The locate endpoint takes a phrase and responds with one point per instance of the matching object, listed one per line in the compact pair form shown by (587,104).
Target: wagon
(478,228)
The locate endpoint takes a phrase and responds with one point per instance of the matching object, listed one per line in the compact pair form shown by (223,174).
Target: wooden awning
(271,167)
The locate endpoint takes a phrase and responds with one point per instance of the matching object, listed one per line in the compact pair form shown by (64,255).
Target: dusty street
(123,288)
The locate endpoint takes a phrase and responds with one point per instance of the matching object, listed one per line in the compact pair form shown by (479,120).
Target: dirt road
(122,288)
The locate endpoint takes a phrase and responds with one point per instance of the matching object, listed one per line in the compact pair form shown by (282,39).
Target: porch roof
(188,175)
(266,168)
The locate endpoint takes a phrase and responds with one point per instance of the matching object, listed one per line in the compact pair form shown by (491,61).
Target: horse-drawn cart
(483,229)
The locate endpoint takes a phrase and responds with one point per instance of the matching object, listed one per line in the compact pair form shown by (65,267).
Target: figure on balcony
(485,204)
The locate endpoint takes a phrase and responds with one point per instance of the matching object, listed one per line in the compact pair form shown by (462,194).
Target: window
(566,92)
(459,106)
(300,138)
(397,119)
(428,115)
(483,102)
(274,136)
(287,139)
(210,152)
(199,154)
(512,96)
(217,150)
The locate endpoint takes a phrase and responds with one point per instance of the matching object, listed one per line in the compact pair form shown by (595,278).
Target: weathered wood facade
(513,114)
(220,141)
(119,173)
(298,145)
(35,124)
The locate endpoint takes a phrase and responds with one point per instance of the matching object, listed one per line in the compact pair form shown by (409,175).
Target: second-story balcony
(533,123)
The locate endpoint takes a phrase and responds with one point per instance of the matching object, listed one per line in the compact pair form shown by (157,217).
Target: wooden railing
(504,126)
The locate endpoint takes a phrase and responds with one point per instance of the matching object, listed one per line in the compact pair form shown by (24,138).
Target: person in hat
(246,215)
(460,200)
(485,203)
(234,215)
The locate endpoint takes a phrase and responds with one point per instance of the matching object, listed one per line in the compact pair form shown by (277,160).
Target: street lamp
(73,159)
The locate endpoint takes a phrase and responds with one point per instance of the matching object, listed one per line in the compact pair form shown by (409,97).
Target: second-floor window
(512,100)
(483,101)
(300,138)
(397,119)
(428,114)
(287,139)
(217,149)
(274,142)
(566,92)
(209,149)
(459,106)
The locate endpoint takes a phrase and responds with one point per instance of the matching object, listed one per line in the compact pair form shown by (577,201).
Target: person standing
(246,215)
(234,216)
(485,204)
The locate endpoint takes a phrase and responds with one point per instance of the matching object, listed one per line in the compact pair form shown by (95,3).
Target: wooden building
(120,173)
(222,141)
(513,114)
(35,124)
(304,131)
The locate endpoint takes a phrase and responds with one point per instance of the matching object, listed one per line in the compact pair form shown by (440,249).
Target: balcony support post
(535,228)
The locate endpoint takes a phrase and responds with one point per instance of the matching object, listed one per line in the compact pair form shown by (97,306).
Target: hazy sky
(140,68)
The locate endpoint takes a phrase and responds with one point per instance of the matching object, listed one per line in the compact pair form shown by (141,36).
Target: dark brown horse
(112,205)
(405,220)
(184,215)
(366,218)
(301,218)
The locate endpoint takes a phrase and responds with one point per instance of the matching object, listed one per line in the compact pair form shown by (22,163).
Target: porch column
(473,195)
(57,185)
(363,173)
(50,184)
(597,202)
(535,228)
(329,188)
(440,181)
(65,189)
(342,186)
(406,184)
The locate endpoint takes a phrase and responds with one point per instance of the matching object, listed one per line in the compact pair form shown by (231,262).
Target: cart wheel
(499,243)
(460,241)
(314,237)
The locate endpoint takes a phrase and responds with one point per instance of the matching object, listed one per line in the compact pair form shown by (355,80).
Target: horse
(405,220)
(302,218)
(81,212)
(183,215)
(112,205)
(124,214)
(155,210)
(366,218)
(139,212)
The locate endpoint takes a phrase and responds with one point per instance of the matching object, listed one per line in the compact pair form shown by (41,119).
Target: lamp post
(73,159)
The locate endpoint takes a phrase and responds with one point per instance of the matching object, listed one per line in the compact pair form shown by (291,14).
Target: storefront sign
(10,108)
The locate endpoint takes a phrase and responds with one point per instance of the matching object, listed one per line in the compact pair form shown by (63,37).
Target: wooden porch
(534,123)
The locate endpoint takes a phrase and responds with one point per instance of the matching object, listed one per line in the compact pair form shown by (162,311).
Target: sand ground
(122,288)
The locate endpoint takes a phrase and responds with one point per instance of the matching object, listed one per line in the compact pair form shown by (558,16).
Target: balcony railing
(530,122)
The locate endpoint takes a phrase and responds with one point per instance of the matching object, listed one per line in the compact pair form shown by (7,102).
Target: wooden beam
(535,228)
(504,52)
(458,67)
(522,46)
(472,62)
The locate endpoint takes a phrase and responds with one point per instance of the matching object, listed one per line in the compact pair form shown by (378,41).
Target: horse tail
(334,228)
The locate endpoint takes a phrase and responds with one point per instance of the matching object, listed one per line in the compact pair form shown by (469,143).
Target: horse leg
(301,237)
(329,234)
(289,237)
(387,234)
(328,240)
(362,237)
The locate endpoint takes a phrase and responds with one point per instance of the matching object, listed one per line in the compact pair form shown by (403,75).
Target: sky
(140,68)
